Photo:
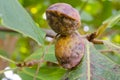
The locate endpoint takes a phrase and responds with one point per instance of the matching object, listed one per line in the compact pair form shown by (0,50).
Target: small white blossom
(9,75)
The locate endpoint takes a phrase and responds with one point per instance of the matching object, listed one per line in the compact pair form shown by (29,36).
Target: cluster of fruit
(69,46)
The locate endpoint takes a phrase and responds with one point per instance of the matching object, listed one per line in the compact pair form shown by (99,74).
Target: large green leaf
(49,54)
(15,17)
(115,54)
(112,46)
(45,73)
(113,20)
(108,23)
(94,66)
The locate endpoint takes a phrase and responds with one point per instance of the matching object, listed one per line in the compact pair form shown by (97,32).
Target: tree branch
(106,51)
(52,34)
(96,41)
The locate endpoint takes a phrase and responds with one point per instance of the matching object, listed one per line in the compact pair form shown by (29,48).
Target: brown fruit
(69,50)
(63,18)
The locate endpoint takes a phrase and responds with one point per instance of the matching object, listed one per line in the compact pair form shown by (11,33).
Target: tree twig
(7,59)
(106,51)
(96,41)
(52,34)
(42,58)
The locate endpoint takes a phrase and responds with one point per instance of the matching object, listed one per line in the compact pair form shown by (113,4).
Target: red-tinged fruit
(63,18)
(69,50)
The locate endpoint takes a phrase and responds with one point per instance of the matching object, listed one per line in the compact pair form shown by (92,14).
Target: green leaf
(49,54)
(108,53)
(107,23)
(112,46)
(94,66)
(112,20)
(45,73)
(101,29)
(113,56)
(15,17)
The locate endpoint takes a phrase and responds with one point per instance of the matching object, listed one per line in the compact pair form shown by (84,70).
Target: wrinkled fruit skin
(69,46)
(63,18)
(69,50)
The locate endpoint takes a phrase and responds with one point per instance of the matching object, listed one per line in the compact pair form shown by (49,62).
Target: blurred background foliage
(92,12)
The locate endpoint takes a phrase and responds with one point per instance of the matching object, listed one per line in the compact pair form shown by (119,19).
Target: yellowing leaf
(107,23)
